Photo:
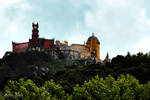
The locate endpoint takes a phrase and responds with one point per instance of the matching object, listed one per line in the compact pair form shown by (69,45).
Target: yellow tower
(93,45)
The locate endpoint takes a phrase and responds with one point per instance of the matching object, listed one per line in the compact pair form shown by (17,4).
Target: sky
(120,25)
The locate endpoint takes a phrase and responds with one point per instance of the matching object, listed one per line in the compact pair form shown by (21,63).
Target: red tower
(35,31)
(35,35)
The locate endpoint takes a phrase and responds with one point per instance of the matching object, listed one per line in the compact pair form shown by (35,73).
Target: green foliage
(1,96)
(54,89)
(145,92)
(27,90)
(124,88)
(69,79)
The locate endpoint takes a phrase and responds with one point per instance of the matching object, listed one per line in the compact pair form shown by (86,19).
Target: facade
(74,52)
(63,49)
(20,47)
(90,50)
(81,49)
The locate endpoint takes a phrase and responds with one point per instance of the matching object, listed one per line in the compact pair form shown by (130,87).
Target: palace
(75,51)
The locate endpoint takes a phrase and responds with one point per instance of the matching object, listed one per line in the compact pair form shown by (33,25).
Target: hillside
(41,67)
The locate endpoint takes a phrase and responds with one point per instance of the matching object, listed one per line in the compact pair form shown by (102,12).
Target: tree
(124,88)
(54,89)
(25,90)
(28,90)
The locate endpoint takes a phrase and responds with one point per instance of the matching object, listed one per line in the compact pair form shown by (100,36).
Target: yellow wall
(84,53)
(92,45)
(85,50)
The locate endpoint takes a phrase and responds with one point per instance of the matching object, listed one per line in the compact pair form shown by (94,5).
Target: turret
(107,58)
(35,31)
(35,35)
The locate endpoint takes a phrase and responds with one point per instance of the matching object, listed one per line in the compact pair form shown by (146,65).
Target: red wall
(20,47)
(48,44)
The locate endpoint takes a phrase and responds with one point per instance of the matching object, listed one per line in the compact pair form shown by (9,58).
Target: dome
(93,37)
(57,41)
(65,41)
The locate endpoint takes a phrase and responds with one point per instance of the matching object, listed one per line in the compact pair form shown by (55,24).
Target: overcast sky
(120,25)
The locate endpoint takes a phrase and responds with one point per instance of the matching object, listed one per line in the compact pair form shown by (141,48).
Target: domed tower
(93,45)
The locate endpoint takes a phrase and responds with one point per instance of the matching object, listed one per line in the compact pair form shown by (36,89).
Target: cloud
(1,53)
(120,23)
(6,3)
(142,46)
(11,18)
(78,35)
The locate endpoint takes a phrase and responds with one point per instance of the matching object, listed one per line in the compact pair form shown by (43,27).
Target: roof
(19,43)
(89,39)
(77,45)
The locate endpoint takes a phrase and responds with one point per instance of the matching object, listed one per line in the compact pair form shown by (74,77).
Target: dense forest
(36,75)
